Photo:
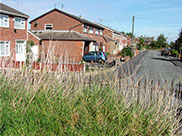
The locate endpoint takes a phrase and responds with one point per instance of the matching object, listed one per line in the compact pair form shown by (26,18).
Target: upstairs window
(4,48)
(48,27)
(91,30)
(85,29)
(101,32)
(19,23)
(4,21)
(96,31)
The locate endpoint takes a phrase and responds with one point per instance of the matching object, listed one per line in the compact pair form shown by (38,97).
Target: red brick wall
(69,50)
(107,32)
(59,20)
(8,34)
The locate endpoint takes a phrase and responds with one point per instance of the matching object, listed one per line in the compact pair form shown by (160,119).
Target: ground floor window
(4,48)
(20,47)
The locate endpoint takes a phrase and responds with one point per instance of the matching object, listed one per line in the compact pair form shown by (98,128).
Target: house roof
(84,21)
(106,27)
(10,11)
(62,35)
(148,39)
(109,39)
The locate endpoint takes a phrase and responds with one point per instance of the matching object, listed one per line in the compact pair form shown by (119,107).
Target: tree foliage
(161,42)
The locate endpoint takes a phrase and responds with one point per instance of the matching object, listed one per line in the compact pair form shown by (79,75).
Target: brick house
(13,33)
(60,21)
(115,41)
(62,46)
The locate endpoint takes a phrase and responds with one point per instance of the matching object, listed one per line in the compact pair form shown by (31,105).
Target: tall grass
(72,104)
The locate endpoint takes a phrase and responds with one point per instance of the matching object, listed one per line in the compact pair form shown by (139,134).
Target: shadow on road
(163,59)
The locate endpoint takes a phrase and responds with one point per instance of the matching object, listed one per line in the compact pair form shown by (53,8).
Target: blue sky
(152,17)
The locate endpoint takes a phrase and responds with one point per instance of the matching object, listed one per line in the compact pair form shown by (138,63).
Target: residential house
(13,33)
(62,46)
(115,41)
(59,21)
(148,40)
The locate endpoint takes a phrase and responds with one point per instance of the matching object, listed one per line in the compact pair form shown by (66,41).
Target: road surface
(151,65)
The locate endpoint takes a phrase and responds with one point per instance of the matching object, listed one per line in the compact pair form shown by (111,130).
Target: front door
(20,50)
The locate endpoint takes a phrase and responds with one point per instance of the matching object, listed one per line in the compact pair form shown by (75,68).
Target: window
(91,30)
(85,29)
(48,26)
(20,47)
(96,31)
(19,23)
(4,48)
(101,32)
(4,21)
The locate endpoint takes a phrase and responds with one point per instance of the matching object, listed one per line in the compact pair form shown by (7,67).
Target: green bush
(127,51)
(174,52)
(107,53)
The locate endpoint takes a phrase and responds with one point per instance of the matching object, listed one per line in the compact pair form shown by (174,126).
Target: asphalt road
(151,65)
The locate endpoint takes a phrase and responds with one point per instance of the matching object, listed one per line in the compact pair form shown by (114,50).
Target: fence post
(138,93)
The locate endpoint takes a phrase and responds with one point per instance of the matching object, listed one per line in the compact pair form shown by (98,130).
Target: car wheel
(101,61)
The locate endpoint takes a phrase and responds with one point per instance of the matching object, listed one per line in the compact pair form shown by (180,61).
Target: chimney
(80,16)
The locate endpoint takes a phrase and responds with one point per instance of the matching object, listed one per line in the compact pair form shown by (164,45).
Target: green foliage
(107,53)
(53,110)
(172,44)
(127,51)
(29,54)
(130,35)
(161,42)
(174,52)
(140,45)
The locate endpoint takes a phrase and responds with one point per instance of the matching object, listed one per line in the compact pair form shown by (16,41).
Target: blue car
(96,56)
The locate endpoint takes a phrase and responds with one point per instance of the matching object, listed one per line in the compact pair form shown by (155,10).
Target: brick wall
(9,34)
(70,51)
(61,21)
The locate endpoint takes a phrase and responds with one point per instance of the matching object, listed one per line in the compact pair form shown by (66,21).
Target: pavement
(177,62)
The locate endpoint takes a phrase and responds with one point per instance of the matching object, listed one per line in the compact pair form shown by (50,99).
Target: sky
(152,17)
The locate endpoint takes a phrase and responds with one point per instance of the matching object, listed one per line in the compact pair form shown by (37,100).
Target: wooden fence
(64,67)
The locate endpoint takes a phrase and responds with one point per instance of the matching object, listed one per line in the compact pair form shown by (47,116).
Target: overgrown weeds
(64,104)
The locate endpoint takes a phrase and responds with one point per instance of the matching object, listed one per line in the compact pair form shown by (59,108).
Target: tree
(172,44)
(162,41)
(140,44)
(130,35)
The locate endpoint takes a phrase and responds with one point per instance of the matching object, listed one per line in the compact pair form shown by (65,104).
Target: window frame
(20,49)
(22,20)
(45,26)
(91,32)
(96,31)
(85,27)
(101,32)
(3,21)
(6,43)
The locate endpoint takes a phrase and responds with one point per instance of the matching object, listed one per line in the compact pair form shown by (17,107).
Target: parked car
(165,52)
(96,56)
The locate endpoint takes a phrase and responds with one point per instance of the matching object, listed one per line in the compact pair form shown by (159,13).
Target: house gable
(58,20)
